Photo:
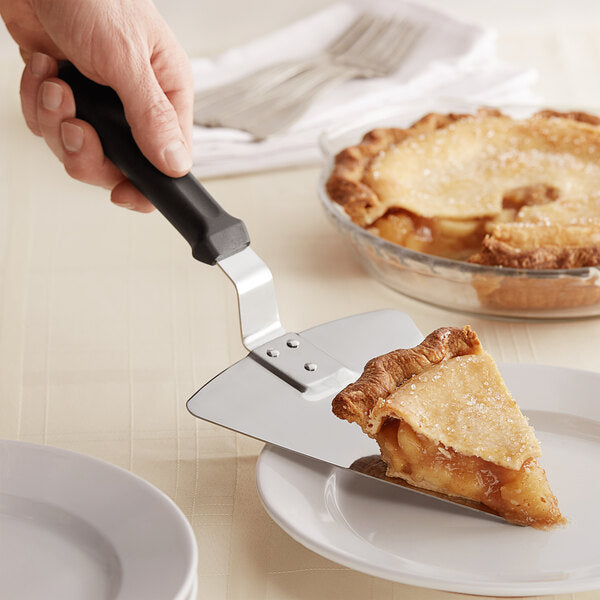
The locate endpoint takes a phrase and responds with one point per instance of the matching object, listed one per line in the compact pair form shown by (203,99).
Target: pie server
(281,392)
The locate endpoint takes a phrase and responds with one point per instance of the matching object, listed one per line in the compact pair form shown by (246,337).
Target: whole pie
(445,422)
(484,187)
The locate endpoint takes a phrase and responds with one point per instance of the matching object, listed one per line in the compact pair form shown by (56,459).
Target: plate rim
(340,556)
(190,544)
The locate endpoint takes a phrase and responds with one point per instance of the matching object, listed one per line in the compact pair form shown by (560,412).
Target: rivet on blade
(310,366)
(293,343)
(272,352)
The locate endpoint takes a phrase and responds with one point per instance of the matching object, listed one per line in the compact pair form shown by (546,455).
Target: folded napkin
(451,59)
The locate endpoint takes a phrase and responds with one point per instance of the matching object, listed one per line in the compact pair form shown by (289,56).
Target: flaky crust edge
(344,184)
(497,253)
(384,374)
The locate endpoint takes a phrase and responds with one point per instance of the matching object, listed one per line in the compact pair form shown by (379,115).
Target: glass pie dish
(457,285)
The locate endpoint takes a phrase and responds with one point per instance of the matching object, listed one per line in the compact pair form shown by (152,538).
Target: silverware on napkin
(273,98)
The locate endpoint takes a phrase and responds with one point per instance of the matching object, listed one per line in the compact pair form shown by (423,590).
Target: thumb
(154,123)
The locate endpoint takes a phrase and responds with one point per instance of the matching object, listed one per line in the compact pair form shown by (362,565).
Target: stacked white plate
(75,527)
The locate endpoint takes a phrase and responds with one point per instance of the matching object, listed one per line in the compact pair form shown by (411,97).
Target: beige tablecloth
(107,325)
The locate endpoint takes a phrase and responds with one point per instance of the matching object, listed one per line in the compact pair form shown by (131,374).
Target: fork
(209,105)
(273,98)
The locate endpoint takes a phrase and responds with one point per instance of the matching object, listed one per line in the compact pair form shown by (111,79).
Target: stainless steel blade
(254,400)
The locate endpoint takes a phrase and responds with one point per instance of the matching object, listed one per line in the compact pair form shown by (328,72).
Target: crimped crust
(345,185)
(574,115)
(533,246)
(384,374)
(495,252)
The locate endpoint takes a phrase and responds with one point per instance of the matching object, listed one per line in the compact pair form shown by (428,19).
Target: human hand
(121,43)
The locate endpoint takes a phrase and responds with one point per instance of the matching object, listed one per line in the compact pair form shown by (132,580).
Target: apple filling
(455,238)
(450,238)
(521,496)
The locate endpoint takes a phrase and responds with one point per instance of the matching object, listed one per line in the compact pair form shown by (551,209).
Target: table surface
(107,325)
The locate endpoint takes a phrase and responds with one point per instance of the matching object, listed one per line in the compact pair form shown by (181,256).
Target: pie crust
(445,422)
(485,187)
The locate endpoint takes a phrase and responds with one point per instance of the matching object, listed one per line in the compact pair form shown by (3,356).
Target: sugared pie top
(446,422)
(455,185)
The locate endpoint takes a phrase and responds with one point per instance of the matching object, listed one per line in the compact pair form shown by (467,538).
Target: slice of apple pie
(445,422)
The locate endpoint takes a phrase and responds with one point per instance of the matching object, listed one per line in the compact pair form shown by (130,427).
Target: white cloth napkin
(450,60)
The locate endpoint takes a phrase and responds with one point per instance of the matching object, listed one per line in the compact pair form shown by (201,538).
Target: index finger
(37,69)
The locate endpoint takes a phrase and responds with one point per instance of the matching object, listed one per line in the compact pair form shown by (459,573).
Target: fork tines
(274,97)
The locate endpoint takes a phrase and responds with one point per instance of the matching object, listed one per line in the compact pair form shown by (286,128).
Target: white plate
(387,531)
(74,527)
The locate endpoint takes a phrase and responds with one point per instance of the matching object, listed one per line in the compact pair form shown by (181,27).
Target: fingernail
(177,157)
(127,205)
(52,95)
(72,136)
(39,64)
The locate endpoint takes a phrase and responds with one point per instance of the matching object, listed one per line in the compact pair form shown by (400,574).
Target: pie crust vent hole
(530,195)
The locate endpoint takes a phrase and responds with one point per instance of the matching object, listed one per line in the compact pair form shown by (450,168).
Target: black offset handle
(212,233)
